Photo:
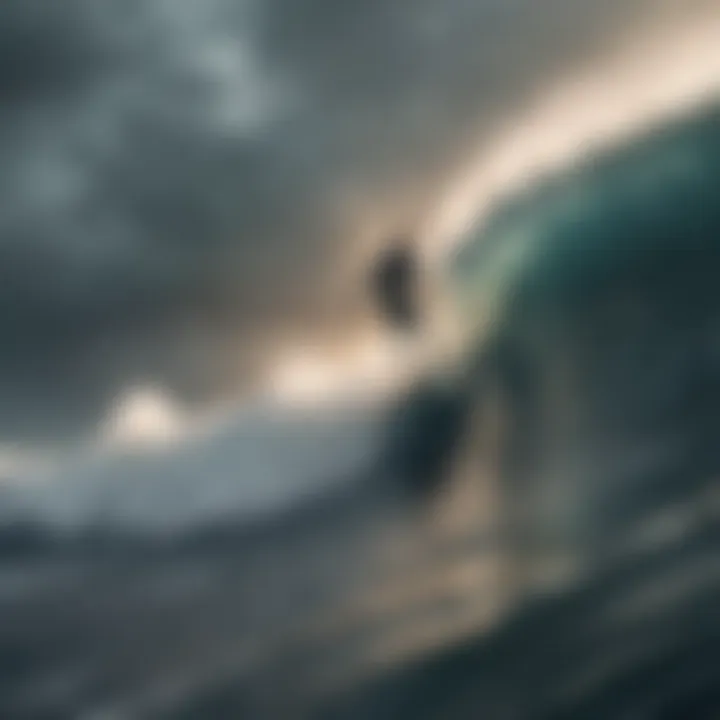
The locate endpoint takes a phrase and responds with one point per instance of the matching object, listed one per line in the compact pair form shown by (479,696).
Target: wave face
(600,287)
(569,233)
(594,313)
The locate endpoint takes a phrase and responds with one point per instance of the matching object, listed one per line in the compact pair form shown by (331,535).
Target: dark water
(603,339)
(539,540)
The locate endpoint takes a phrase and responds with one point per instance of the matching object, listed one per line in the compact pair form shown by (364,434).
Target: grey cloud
(181,181)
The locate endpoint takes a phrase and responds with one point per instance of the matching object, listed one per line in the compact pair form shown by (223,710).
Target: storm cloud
(184,184)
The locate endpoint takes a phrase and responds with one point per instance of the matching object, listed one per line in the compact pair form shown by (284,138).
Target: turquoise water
(643,205)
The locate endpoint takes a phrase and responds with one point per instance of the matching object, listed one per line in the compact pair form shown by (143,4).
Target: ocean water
(595,296)
(535,537)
